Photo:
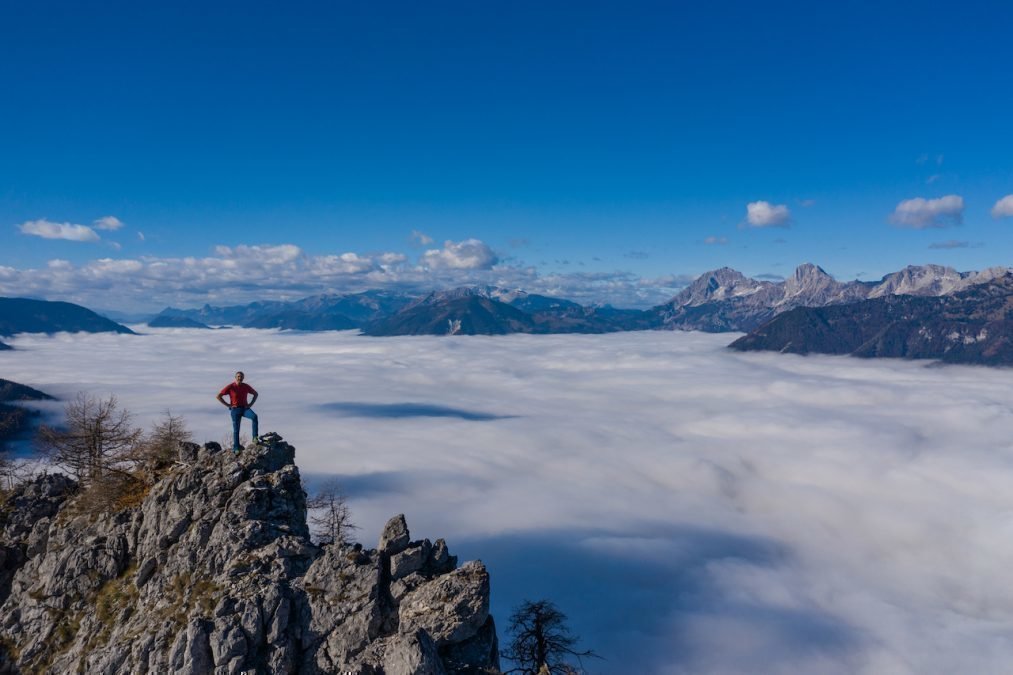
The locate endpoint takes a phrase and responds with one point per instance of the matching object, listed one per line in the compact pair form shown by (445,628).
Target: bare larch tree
(97,439)
(330,516)
(542,643)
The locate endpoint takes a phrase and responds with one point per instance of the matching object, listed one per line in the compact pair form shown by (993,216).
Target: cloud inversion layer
(692,509)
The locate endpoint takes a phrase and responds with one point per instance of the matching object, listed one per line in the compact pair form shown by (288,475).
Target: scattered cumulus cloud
(47,229)
(244,273)
(806,203)
(715,241)
(765,214)
(952,243)
(1003,208)
(933,178)
(470,254)
(268,255)
(920,213)
(108,223)
(420,238)
(637,255)
(140,236)
(745,493)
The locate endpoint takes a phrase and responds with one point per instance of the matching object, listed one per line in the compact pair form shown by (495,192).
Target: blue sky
(590,147)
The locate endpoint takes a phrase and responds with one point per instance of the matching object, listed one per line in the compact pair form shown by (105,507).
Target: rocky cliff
(213,571)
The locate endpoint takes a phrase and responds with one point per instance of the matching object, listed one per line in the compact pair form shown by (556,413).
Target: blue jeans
(237,415)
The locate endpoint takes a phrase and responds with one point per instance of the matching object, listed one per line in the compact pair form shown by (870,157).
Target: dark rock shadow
(406,410)
(636,609)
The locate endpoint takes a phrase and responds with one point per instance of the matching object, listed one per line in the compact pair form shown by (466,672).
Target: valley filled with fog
(691,509)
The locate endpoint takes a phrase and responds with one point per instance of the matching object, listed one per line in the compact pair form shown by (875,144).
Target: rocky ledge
(213,571)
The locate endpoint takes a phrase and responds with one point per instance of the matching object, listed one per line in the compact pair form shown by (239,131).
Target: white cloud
(391,259)
(140,235)
(108,223)
(745,493)
(718,241)
(920,213)
(268,255)
(765,214)
(470,254)
(1003,208)
(50,230)
(244,273)
(115,265)
(421,239)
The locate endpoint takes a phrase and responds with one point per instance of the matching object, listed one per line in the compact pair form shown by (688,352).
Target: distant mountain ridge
(316,312)
(717,301)
(971,326)
(726,300)
(496,311)
(13,418)
(24,315)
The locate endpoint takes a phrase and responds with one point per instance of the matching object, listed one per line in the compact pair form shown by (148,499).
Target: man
(239,407)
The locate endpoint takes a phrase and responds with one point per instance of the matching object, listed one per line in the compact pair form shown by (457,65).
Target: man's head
(240,377)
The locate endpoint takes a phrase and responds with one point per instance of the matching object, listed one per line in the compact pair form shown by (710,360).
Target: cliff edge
(213,571)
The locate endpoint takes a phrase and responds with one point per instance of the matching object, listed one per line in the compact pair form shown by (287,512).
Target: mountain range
(726,300)
(718,301)
(973,326)
(722,300)
(24,315)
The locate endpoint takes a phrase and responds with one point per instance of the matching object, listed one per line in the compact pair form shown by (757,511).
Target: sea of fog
(692,509)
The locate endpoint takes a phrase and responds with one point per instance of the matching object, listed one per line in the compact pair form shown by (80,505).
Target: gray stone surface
(395,537)
(214,572)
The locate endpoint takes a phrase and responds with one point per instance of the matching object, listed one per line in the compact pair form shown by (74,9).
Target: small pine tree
(542,643)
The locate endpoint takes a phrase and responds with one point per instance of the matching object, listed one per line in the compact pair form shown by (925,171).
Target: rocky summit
(213,571)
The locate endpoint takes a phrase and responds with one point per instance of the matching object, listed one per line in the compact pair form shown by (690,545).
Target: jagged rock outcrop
(213,571)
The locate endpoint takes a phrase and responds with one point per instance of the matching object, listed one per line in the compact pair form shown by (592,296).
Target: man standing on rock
(239,407)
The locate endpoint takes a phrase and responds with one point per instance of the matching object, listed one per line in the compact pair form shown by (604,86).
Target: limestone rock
(214,572)
(452,608)
(395,537)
